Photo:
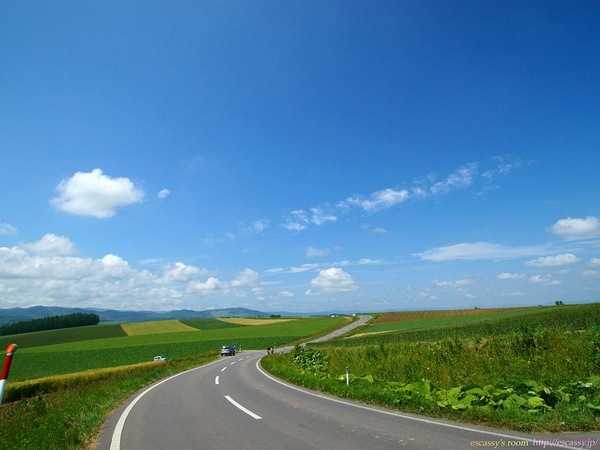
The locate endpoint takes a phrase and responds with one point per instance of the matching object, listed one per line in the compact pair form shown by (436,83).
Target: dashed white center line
(242,408)
(224,369)
(232,363)
(217,379)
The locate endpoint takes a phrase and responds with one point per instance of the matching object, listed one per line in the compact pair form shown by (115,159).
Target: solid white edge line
(403,416)
(115,443)
(217,379)
(242,408)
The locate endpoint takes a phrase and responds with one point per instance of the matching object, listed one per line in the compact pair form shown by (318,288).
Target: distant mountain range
(113,315)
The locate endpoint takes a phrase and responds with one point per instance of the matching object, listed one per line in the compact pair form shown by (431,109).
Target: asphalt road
(232,404)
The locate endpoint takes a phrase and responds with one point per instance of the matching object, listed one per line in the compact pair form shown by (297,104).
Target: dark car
(228,350)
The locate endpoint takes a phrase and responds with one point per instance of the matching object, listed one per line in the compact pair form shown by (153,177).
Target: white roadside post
(347,377)
(10,351)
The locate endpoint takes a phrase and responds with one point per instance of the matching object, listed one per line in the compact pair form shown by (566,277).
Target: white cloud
(591,273)
(543,279)
(179,271)
(43,273)
(115,266)
(51,244)
(454,284)
(554,261)
(163,193)
(211,285)
(476,251)
(245,278)
(332,280)
(288,294)
(95,194)
(7,229)
(510,276)
(573,228)
(595,262)
(314,252)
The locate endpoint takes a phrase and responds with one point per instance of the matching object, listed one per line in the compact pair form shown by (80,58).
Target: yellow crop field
(247,321)
(156,327)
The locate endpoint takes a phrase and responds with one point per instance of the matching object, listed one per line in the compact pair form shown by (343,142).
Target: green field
(575,317)
(96,353)
(441,319)
(533,371)
(50,337)
(209,324)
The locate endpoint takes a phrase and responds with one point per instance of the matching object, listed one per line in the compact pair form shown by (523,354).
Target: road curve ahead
(232,404)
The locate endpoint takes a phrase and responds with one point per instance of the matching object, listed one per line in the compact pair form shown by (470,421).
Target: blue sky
(311,155)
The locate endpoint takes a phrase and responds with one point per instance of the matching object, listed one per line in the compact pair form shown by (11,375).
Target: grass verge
(547,380)
(71,416)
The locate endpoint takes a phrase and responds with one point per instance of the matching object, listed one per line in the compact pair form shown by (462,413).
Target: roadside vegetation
(72,408)
(531,372)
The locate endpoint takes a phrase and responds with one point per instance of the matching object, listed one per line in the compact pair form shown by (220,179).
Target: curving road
(233,404)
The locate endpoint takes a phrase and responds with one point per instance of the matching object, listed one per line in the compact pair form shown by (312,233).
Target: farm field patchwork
(76,356)
(155,327)
(50,337)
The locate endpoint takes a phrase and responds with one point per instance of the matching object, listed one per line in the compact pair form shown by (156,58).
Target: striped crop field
(417,320)
(156,327)
(249,321)
(209,324)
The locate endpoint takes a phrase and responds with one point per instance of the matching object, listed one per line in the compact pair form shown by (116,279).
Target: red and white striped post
(10,351)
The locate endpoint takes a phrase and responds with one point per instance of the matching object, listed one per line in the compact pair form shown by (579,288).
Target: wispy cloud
(461,178)
(7,229)
(479,251)
(510,276)
(315,267)
(314,252)
(454,283)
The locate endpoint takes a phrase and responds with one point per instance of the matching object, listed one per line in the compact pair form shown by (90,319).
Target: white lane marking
(240,407)
(232,363)
(115,442)
(217,379)
(224,369)
(402,416)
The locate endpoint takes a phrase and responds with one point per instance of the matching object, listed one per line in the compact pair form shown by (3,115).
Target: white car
(160,358)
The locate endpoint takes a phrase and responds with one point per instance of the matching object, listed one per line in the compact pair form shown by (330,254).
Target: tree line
(50,323)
